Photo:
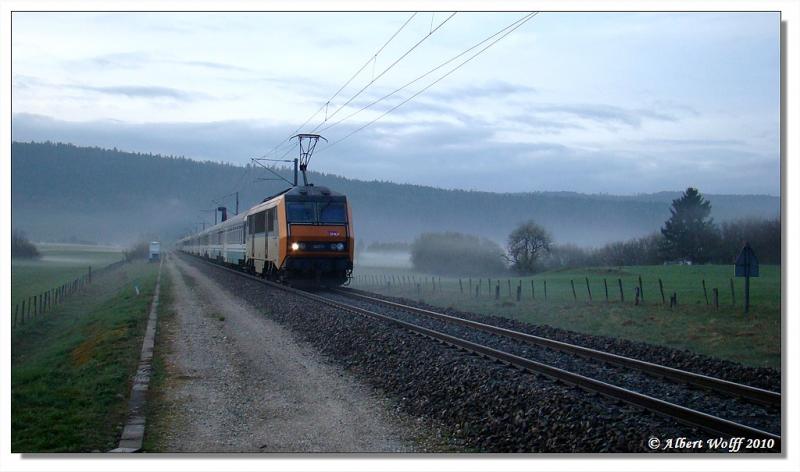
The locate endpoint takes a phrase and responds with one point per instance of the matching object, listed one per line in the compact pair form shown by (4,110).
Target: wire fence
(582,289)
(36,306)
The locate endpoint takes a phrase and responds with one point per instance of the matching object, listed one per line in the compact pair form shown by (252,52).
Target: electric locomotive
(303,235)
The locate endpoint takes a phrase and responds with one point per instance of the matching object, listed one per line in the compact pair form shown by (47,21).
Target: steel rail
(755,394)
(682,414)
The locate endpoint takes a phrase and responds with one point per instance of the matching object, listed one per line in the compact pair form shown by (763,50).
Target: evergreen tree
(689,233)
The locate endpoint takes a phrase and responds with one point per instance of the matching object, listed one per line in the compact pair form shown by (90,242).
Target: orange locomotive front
(303,236)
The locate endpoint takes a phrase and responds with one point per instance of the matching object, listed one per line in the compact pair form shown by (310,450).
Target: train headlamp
(338,246)
(295,246)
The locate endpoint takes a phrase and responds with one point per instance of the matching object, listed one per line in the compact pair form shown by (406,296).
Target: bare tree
(526,244)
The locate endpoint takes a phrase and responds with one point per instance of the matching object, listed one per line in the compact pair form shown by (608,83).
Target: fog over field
(106,196)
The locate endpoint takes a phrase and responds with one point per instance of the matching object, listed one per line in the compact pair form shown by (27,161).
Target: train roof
(311,191)
(230,221)
(298,193)
(302,192)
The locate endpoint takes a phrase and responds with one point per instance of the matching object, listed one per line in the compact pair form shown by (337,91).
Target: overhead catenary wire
(524,20)
(387,69)
(407,84)
(361,69)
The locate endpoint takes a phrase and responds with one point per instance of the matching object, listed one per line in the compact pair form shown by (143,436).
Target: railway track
(758,395)
(692,417)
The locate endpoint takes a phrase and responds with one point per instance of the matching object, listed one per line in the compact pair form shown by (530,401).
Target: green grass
(724,333)
(71,369)
(58,264)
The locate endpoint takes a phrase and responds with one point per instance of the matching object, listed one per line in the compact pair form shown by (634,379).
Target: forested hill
(61,191)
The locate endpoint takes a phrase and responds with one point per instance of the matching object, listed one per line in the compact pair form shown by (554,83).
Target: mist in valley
(112,197)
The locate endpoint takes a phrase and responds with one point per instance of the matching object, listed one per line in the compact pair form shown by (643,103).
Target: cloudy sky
(614,103)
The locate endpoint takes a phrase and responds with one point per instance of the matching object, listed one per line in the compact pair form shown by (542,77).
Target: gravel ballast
(761,377)
(724,406)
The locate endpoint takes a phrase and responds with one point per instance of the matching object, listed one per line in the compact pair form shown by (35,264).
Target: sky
(617,103)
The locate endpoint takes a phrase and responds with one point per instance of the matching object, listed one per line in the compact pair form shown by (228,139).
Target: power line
(525,20)
(384,71)
(325,105)
(371,59)
(375,102)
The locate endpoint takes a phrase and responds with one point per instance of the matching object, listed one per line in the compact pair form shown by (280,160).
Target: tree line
(688,236)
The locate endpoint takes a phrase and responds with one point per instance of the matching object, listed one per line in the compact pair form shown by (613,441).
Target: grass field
(71,369)
(59,263)
(694,325)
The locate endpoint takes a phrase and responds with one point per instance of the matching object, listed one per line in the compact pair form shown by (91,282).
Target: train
(302,236)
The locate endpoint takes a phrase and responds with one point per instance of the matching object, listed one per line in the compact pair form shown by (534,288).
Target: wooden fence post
(533,290)
(460,285)
(605,286)
(715,290)
(636,300)
(519,292)
(621,293)
(641,289)
(477,289)
(589,290)
(497,291)
(733,294)
(661,287)
(509,287)
(574,295)
(705,293)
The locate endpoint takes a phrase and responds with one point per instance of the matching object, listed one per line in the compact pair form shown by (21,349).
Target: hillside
(61,191)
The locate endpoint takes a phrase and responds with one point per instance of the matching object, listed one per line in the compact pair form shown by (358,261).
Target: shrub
(140,250)
(22,248)
(453,253)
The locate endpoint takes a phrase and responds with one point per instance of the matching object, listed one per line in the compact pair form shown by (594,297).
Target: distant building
(155,250)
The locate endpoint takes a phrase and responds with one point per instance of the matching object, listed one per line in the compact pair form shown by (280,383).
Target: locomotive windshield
(332,212)
(325,212)
(300,212)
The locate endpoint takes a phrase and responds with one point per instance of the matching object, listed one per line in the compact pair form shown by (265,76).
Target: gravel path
(238,382)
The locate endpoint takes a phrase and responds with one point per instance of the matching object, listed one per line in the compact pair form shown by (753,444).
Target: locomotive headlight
(295,246)
(338,246)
